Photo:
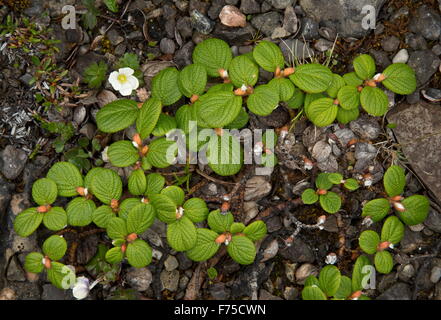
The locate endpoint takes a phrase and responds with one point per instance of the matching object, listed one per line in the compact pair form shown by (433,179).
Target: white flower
(331,258)
(82,287)
(104,155)
(124,81)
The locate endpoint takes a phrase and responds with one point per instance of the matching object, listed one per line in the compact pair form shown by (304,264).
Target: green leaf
(155,183)
(137,183)
(114,255)
(400,78)
(195,209)
(34,262)
(229,87)
(352,79)
(213,54)
(122,154)
(374,101)
(139,253)
(242,250)
(243,71)
(309,196)
(312,78)
(297,99)
(183,116)
(351,184)
(330,202)
(165,207)
(336,85)
(394,181)
(165,86)
(126,205)
(269,56)
(192,80)
(256,230)
(175,193)
(95,74)
(55,247)
(335,178)
(311,281)
(162,153)
(345,289)
(102,215)
(219,109)
(140,218)
(392,231)
(322,182)
(117,115)
(311,97)
(117,228)
(369,241)
(237,227)
(90,176)
(27,222)
(346,116)
(322,112)
(181,234)
(376,209)
(263,100)
(240,121)
(112,5)
(55,219)
(330,279)
(44,191)
(148,117)
(224,154)
(80,211)
(416,210)
(205,246)
(349,97)
(313,293)
(67,177)
(220,222)
(364,66)
(384,262)
(61,276)
(107,186)
(359,272)
(165,124)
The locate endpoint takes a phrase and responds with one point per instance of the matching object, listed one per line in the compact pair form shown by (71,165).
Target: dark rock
(234,36)
(232,2)
(323,45)
(298,252)
(12,162)
(219,292)
(425,63)
(416,130)
(215,9)
(366,127)
(281,4)
(266,22)
(399,291)
(278,118)
(184,262)
(183,56)
(170,280)
(309,29)
(433,221)
(265,7)
(274,224)
(5,196)
(86,60)
(34,170)
(198,5)
(52,293)
(432,94)
(249,6)
(183,25)
(390,44)
(416,41)
(381,58)
(139,278)
(411,241)
(347,14)
(413,98)
(265,295)
(426,22)
(295,49)
(201,23)
(167,46)
(114,37)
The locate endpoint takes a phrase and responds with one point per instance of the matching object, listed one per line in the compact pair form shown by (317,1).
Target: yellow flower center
(122,78)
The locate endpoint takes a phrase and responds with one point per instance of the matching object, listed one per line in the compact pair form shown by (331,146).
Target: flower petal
(134,82)
(126,89)
(113,79)
(126,71)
